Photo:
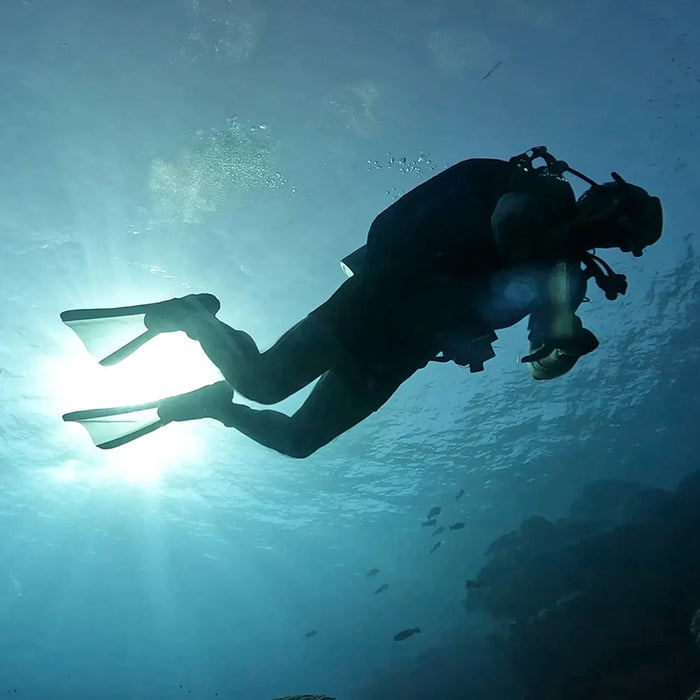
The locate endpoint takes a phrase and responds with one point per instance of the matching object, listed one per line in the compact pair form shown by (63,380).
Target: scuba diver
(472,250)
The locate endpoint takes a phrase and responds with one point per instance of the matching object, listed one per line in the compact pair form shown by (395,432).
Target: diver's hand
(580,343)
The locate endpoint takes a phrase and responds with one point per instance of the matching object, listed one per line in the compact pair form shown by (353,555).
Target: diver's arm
(556,356)
(534,221)
(557,336)
(551,366)
(523,234)
(549,361)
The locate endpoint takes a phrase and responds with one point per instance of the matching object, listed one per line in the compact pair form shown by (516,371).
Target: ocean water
(151,150)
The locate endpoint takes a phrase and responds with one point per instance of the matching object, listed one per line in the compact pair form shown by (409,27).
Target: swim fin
(113,427)
(112,334)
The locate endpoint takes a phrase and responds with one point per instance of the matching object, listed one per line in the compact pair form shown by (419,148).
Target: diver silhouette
(475,249)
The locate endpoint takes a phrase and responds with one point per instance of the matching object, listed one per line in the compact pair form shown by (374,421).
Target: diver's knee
(298,452)
(262,392)
(302,449)
(302,444)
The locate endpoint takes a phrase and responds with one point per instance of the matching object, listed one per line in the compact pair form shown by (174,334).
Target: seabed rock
(600,604)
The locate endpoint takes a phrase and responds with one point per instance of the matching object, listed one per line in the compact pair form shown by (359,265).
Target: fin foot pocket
(112,334)
(207,402)
(113,427)
(173,315)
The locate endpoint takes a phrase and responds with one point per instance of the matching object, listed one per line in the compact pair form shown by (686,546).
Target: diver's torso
(505,297)
(436,242)
(444,223)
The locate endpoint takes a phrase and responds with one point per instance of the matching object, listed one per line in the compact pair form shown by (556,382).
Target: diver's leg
(301,355)
(339,401)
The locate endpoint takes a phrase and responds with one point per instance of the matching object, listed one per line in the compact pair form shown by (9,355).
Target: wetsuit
(448,263)
(476,248)
(434,276)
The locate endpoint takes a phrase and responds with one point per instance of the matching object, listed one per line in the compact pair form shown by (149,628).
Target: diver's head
(619,215)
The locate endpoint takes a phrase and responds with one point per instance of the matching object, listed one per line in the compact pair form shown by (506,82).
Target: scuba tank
(638,224)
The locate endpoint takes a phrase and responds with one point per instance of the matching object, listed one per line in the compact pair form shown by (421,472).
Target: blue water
(151,150)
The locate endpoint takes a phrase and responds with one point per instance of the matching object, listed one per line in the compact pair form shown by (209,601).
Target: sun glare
(169,364)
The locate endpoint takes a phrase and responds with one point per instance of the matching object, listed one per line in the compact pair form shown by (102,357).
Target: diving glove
(580,343)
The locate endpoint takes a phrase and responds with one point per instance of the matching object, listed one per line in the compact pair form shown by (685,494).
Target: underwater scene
(350,350)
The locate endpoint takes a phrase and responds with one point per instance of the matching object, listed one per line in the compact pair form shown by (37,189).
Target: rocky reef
(602,603)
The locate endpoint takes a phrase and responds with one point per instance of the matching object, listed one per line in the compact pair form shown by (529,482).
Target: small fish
(472,583)
(439,530)
(405,634)
(436,546)
(459,495)
(372,572)
(311,633)
(429,523)
(381,588)
(17,586)
(435,510)
(492,70)
(457,526)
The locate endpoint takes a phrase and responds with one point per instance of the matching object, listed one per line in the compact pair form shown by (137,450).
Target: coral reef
(599,604)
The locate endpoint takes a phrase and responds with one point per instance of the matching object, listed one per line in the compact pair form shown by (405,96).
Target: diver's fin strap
(612,283)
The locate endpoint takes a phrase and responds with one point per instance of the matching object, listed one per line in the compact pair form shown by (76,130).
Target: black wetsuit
(433,274)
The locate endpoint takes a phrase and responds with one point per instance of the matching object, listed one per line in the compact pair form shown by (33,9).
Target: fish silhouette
(405,634)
